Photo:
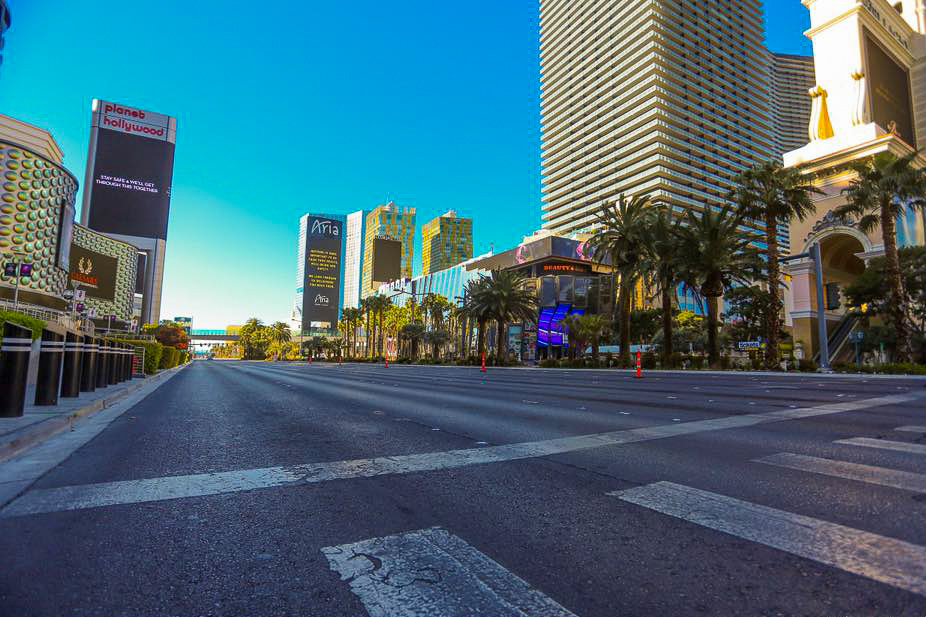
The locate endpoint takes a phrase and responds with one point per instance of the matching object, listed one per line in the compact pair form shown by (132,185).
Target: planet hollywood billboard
(322,283)
(130,171)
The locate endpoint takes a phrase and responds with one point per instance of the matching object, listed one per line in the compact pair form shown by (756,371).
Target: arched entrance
(841,266)
(844,251)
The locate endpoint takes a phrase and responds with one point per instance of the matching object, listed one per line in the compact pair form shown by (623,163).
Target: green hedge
(36,325)
(153,352)
(169,358)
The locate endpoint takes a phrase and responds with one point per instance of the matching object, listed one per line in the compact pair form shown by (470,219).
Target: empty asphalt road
(259,489)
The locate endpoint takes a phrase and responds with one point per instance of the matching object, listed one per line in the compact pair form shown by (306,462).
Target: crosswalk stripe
(884,444)
(432,572)
(893,478)
(880,558)
(911,429)
(198,485)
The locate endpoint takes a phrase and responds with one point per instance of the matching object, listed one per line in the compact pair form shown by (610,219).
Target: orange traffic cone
(639,365)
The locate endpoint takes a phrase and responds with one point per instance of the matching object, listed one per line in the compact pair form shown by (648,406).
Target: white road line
(432,572)
(911,429)
(880,558)
(884,444)
(174,487)
(893,478)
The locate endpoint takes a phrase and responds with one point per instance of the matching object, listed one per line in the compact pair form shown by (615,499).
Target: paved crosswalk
(884,444)
(894,478)
(870,555)
(432,572)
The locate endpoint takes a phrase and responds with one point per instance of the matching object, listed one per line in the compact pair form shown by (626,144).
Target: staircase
(840,337)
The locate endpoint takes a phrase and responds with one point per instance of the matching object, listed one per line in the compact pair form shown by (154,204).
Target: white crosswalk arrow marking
(887,560)
(903,480)
(432,572)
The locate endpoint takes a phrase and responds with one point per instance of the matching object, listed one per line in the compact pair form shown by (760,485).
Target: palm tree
(316,345)
(577,336)
(774,195)
(412,333)
(279,334)
(351,317)
(478,309)
(595,328)
(884,187)
(436,338)
(367,308)
(661,262)
(714,254)
(378,305)
(622,236)
(395,318)
(509,298)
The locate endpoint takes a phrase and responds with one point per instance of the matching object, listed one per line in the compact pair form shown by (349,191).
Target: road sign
(750,345)
(857,336)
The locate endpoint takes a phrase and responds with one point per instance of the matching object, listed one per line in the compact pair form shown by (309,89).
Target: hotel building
(387,221)
(662,98)
(792,77)
(446,241)
(353,256)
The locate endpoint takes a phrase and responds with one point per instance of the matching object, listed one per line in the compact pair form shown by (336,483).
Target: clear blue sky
(290,107)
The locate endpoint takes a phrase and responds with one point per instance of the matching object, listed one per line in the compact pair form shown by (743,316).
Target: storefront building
(568,282)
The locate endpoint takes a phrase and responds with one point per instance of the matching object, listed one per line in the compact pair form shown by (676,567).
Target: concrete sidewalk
(40,423)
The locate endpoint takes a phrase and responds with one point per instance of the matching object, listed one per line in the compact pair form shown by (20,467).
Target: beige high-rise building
(649,97)
(387,222)
(445,242)
(792,77)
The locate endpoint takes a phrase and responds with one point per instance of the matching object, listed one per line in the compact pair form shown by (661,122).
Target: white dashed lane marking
(893,478)
(884,444)
(911,429)
(432,572)
(198,485)
(880,558)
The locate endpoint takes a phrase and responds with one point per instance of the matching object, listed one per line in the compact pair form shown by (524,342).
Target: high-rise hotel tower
(667,98)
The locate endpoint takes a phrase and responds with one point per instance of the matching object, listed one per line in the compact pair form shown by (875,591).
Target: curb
(50,428)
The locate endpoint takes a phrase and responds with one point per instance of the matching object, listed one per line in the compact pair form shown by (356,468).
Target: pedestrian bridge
(212,335)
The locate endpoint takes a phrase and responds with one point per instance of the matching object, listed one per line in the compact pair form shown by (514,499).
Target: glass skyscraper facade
(353,257)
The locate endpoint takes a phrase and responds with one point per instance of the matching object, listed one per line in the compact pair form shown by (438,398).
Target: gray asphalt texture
(549,521)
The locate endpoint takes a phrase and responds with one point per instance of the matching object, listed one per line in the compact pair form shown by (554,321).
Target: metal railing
(49,315)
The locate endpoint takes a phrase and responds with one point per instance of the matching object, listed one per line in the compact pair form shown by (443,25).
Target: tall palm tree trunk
(501,331)
(773,318)
(667,349)
(626,288)
(898,313)
(369,335)
(713,353)
(481,341)
(382,332)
